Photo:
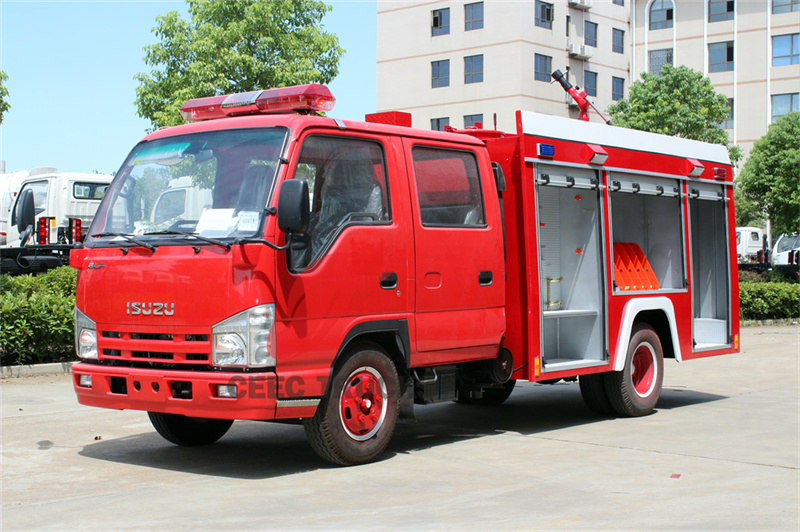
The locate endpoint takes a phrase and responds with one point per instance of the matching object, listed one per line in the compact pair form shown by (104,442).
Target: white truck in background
(63,205)
(749,241)
(787,250)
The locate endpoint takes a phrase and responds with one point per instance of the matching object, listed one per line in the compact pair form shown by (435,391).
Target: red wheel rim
(643,369)
(363,403)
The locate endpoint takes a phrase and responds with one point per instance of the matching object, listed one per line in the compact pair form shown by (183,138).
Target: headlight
(246,339)
(85,335)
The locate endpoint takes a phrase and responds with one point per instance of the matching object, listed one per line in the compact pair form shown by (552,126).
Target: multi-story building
(457,63)
(750,49)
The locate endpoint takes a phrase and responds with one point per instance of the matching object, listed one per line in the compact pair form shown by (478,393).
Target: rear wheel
(189,431)
(356,420)
(593,391)
(635,390)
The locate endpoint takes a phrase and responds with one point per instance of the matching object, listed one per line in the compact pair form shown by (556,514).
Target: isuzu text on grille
(146,309)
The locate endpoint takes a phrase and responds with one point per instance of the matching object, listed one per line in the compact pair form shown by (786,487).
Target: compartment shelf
(550,314)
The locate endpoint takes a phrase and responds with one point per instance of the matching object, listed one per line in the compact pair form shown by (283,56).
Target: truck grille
(140,344)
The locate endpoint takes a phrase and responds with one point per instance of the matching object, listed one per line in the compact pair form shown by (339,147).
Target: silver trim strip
(297,403)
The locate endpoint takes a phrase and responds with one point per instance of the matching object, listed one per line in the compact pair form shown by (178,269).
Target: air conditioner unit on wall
(570,101)
(573,49)
(580,4)
(586,52)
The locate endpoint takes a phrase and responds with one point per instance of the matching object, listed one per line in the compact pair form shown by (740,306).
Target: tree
(677,101)
(771,176)
(234,46)
(4,105)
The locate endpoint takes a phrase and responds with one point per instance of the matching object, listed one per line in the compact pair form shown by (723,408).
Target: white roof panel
(571,129)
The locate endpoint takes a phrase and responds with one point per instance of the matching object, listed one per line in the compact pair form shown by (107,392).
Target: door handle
(485,278)
(388,280)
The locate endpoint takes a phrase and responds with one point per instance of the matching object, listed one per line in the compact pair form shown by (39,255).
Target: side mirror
(293,202)
(24,215)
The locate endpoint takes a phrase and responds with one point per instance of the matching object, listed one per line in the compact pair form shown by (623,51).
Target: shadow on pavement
(254,450)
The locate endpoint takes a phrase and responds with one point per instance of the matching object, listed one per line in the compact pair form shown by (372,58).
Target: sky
(71,68)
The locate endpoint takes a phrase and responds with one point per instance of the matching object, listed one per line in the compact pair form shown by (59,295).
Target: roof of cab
(298,123)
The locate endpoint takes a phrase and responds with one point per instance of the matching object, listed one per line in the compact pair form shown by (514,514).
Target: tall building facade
(456,63)
(749,49)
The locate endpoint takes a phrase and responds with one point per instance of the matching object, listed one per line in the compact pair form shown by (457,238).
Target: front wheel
(356,420)
(189,431)
(635,390)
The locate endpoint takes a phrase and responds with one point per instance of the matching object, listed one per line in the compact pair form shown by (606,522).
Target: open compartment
(710,267)
(570,267)
(646,233)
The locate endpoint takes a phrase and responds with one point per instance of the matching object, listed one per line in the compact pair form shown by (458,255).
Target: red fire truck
(264,262)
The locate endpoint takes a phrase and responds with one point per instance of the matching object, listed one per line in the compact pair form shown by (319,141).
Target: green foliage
(36,321)
(764,301)
(234,46)
(677,101)
(747,214)
(4,105)
(770,178)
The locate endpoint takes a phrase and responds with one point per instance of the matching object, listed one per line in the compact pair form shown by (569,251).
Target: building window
(720,56)
(728,122)
(473,120)
(617,41)
(783,104)
(542,67)
(544,14)
(720,10)
(590,82)
(658,58)
(785,6)
(440,23)
(568,21)
(440,73)
(661,14)
(786,49)
(617,88)
(437,124)
(590,33)
(618,2)
(473,16)
(473,69)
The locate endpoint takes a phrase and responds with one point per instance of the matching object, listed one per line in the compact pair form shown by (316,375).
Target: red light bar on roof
(312,97)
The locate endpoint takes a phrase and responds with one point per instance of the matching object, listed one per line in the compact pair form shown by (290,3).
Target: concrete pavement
(721,452)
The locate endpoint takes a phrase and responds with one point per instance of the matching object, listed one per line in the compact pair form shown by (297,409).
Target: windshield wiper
(194,235)
(129,238)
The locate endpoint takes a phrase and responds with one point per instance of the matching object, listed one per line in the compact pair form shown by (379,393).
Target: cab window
(347,182)
(448,187)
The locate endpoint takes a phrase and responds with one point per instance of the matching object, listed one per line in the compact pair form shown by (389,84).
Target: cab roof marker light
(696,168)
(311,97)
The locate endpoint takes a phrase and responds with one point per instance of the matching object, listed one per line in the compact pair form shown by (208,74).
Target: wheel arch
(391,335)
(655,311)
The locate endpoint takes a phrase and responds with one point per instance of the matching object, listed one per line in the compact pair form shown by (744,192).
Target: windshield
(215,184)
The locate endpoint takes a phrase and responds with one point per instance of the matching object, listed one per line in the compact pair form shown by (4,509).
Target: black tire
(635,390)
(593,391)
(189,431)
(491,396)
(356,419)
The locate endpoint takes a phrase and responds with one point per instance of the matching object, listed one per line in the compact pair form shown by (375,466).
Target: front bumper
(189,393)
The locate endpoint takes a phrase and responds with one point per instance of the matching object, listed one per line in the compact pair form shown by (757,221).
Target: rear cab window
(448,187)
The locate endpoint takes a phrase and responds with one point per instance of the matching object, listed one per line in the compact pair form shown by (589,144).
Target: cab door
(349,272)
(460,296)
